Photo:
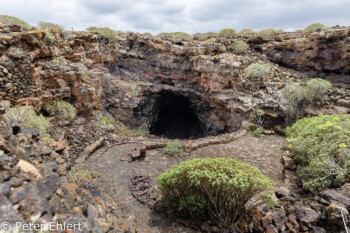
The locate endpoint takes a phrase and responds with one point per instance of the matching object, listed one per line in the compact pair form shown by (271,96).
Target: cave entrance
(175,118)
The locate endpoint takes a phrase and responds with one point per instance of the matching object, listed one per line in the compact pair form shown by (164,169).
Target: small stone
(288,163)
(334,215)
(282,191)
(307,216)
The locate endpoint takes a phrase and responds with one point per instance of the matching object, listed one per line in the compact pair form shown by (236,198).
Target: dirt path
(115,171)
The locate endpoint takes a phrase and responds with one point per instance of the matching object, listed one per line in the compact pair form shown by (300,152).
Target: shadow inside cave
(175,119)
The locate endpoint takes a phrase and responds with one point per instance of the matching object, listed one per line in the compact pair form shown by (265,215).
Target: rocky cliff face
(324,54)
(129,76)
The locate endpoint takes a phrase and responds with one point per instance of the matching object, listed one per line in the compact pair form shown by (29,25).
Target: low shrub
(257,72)
(91,29)
(50,27)
(148,34)
(222,189)
(239,46)
(211,40)
(14,20)
(173,148)
(28,118)
(62,110)
(316,89)
(49,37)
(296,102)
(83,70)
(258,131)
(105,32)
(320,147)
(315,27)
(299,97)
(205,36)
(176,35)
(246,32)
(268,32)
(227,32)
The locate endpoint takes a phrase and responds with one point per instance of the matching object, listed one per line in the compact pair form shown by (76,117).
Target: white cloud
(180,15)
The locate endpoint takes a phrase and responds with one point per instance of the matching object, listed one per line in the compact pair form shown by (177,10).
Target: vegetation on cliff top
(315,27)
(51,27)
(15,21)
(222,189)
(227,32)
(105,32)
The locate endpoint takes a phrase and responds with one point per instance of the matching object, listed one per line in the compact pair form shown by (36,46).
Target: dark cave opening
(174,118)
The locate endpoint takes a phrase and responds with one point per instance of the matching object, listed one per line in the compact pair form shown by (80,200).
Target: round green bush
(105,32)
(239,46)
(315,27)
(227,32)
(62,110)
(320,147)
(268,32)
(257,71)
(246,32)
(316,88)
(210,40)
(222,189)
(205,36)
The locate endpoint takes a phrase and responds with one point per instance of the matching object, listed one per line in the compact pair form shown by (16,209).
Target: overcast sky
(190,16)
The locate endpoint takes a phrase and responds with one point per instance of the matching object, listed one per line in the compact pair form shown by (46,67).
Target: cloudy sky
(190,16)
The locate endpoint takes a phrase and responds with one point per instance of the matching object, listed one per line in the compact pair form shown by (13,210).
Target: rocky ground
(102,174)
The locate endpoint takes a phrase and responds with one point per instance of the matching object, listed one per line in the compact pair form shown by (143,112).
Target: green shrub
(296,102)
(105,32)
(227,32)
(298,97)
(62,110)
(211,40)
(51,27)
(239,46)
(246,32)
(175,35)
(222,189)
(91,29)
(49,38)
(257,72)
(28,118)
(14,20)
(148,34)
(268,32)
(258,131)
(205,36)
(173,148)
(83,70)
(315,27)
(316,89)
(320,147)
